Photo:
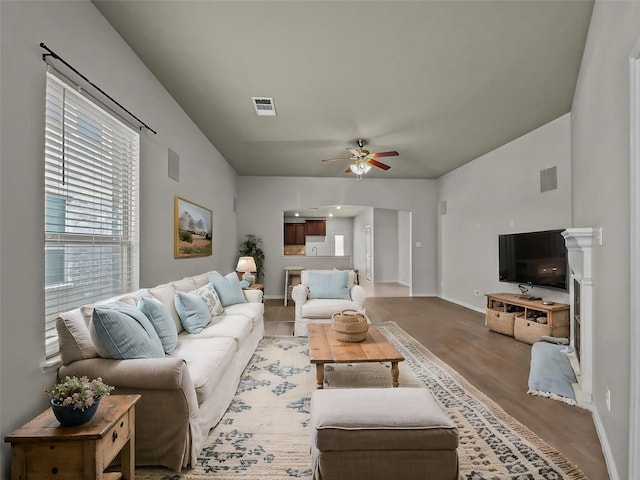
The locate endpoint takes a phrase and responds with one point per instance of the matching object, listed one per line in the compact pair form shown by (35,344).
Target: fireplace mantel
(579,242)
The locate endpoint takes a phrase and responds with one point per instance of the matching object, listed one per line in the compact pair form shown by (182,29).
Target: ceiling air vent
(264,106)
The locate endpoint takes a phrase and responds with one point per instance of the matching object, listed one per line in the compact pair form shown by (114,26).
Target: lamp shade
(360,167)
(246,264)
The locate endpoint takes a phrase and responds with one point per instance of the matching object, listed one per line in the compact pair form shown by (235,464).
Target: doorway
(368,259)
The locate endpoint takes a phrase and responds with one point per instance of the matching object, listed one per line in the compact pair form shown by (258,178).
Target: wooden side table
(43,449)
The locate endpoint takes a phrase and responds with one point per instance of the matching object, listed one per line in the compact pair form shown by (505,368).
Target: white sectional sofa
(184,393)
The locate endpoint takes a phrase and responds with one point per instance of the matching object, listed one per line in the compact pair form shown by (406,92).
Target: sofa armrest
(166,373)
(358,295)
(254,296)
(299,295)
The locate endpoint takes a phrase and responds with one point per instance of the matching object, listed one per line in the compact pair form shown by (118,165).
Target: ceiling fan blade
(348,170)
(353,151)
(384,154)
(336,159)
(378,164)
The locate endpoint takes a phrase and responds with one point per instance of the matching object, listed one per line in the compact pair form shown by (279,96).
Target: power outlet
(607,400)
(476,293)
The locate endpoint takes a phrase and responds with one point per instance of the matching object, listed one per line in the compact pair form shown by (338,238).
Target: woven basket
(501,322)
(349,326)
(529,331)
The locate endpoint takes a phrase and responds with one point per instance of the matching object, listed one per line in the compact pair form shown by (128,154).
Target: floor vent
(264,106)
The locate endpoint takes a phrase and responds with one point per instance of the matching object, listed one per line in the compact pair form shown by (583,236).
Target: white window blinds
(91,205)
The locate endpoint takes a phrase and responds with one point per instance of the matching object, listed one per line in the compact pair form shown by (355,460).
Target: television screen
(535,258)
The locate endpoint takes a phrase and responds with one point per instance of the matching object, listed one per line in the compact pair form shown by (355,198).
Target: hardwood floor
(496,364)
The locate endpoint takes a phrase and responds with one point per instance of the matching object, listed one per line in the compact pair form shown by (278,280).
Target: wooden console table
(43,449)
(512,315)
(291,279)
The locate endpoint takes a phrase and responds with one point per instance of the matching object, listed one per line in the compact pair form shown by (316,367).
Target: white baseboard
(463,304)
(606,447)
(274,297)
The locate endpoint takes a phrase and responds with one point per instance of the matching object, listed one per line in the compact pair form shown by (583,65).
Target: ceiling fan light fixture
(360,168)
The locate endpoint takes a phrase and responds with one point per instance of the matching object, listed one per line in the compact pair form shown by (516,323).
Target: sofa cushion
(207,360)
(210,297)
(184,285)
(120,331)
(325,307)
(74,338)
(251,310)
(237,327)
(228,288)
(166,295)
(333,284)
(193,311)
(200,280)
(161,320)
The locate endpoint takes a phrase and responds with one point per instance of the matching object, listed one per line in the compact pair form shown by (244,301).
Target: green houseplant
(252,247)
(75,400)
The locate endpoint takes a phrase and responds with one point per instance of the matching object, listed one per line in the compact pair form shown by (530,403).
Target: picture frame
(193,229)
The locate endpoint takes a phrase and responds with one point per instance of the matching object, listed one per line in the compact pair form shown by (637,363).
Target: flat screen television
(534,258)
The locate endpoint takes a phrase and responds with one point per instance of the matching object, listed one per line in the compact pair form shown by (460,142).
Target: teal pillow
(329,285)
(161,320)
(193,311)
(228,288)
(121,331)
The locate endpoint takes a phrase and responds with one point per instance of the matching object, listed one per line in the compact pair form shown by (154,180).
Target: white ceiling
(441,82)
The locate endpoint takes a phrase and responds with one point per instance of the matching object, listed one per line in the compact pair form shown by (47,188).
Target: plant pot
(73,417)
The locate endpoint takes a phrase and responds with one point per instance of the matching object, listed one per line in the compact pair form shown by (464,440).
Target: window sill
(51,365)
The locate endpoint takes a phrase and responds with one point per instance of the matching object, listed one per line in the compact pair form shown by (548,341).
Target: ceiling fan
(362,160)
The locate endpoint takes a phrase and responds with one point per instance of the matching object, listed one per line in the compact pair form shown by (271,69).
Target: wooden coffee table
(325,348)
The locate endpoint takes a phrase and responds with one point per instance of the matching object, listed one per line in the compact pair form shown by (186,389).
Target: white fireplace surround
(579,242)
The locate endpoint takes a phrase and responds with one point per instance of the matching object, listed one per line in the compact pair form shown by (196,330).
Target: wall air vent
(264,106)
(548,179)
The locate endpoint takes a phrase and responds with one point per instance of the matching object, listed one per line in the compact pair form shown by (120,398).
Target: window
(91,205)
(338,242)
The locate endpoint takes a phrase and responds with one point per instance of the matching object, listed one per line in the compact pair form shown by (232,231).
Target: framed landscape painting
(193,233)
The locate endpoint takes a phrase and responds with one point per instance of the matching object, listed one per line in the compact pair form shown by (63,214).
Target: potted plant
(75,400)
(252,247)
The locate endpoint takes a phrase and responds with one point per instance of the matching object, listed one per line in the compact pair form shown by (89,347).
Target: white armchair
(321,293)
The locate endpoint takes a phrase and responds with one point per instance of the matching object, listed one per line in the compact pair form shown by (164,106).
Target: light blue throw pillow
(121,331)
(193,311)
(228,288)
(161,320)
(210,297)
(329,285)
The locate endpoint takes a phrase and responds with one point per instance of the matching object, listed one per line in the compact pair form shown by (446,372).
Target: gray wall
(404,248)
(326,245)
(385,253)
(287,193)
(78,32)
(600,169)
(500,193)
(359,224)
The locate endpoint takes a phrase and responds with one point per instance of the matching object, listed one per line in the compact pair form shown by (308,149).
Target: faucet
(315,249)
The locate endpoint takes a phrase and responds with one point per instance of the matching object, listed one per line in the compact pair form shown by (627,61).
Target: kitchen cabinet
(316,227)
(294,233)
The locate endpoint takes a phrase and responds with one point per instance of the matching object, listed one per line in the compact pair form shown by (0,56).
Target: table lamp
(247,265)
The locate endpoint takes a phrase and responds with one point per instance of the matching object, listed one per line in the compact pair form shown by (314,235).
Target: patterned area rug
(265,432)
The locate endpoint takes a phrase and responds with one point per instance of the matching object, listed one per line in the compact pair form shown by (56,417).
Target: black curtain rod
(53,54)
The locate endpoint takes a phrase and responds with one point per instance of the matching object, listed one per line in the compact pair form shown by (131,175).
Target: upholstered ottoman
(381,434)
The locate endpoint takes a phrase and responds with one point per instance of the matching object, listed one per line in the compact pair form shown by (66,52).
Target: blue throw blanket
(551,374)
